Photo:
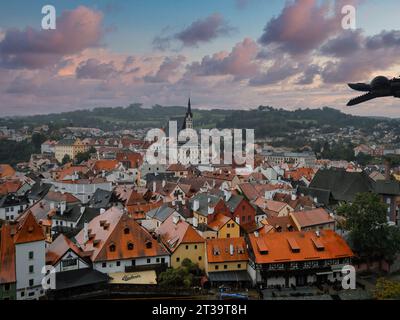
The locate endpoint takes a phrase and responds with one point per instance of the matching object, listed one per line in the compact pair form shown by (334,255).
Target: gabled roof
(114,229)
(28,229)
(343,185)
(205,200)
(61,197)
(276,247)
(219,221)
(387,187)
(6,171)
(59,247)
(219,250)
(309,218)
(161,213)
(7,255)
(175,231)
(101,199)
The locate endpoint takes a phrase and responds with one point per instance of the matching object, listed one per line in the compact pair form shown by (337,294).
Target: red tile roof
(313,217)
(114,229)
(7,255)
(28,229)
(277,246)
(219,221)
(174,231)
(219,250)
(6,171)
(58,248)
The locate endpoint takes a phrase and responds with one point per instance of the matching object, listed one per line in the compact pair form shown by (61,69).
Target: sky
(233,54)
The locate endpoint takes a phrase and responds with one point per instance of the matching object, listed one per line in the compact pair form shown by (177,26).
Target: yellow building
(182,241)
(69,147)
(224,227)
(226,255)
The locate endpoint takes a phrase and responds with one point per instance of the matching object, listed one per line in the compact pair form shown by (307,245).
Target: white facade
(12,212)
(30,258)
(82,191)
(70,261)
(119,265)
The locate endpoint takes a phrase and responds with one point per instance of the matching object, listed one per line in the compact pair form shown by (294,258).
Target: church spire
(189,110)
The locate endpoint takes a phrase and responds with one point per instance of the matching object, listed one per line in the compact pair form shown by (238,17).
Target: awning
(229,276)
(141,277)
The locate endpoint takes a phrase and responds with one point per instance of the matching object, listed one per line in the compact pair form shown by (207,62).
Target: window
(22,294)
(103,265)
(112,248)
(30,269)
(126,231)
(133,263)
(200,258)
(216,267)
(178,259)
(228,235)
(30,255)
(187,247)
(158,260)
(162,260)
(195,246)
(118,263)
(239,266)
(130,246)
(225,266)
(31,294)
(69,262)
(149,244)
(7,287)
(228,225)
(148,260)
(31,282)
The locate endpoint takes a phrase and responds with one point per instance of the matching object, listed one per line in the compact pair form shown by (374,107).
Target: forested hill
(265,120)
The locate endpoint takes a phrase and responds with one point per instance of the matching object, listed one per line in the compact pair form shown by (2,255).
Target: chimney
(154,186)
(163,183)
(63,207)
(231,249)
(102,210)
(210,210)
(237,219)
(85,233)
(256,234)
(196,205)
(227,195)
(195,222)
(82,209)
(317,233)
(52,205)
(175,219)
(294,197)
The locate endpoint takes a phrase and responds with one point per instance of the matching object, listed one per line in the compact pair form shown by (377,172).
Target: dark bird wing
(361,99)
(360,87)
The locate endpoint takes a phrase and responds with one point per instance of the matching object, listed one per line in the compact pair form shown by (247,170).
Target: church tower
(188,121)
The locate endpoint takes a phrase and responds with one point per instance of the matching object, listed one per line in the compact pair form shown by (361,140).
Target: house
(227,261)
(115,243)
(205,206)
(48,146)
(29,246)
(12,206)
(182,240)
(69,147)
(83,189)
(240,208)
(274,208)
(178,169)
(316,219)
(64,255)
(157,216)
(285,259)
(224,227)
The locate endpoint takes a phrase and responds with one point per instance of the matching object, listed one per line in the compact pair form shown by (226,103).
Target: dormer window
(130,246)
(112,248)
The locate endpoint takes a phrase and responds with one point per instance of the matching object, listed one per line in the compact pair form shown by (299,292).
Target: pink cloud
(76,30)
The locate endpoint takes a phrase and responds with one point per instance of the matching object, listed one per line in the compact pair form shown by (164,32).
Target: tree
(370,234)
(84,156)
(180,277)
(37,140)
(386,289)
(66,159)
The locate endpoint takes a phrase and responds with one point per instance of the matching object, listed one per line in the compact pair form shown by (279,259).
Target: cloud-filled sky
(224,54)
